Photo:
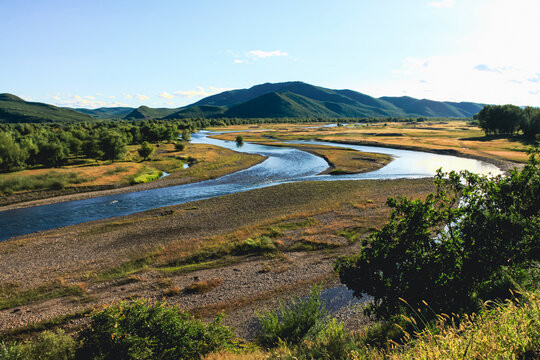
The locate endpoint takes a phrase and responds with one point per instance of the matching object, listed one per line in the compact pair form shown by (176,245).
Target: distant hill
(144,112)
(106,112)
(16,110)
(298,99)
(280,100)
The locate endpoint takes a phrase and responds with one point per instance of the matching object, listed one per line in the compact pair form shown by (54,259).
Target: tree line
(509,119)
(52,145)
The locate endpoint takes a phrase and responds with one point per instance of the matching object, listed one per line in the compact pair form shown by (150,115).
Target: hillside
(16,110)
(144,112)
(107,112)
(298,99)
(280,100)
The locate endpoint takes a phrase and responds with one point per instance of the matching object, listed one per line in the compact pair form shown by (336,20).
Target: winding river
(282,165)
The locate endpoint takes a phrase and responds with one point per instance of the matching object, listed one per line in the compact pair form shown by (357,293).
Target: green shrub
(52,346)
(179,146)
(143,330)
(294,321)
(13,351)
(448,249)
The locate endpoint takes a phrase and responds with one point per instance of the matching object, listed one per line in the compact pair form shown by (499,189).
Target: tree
(146,150)
(239,140)
(51,154)
(448,255)
(186,135)
(11,154)
(112,145)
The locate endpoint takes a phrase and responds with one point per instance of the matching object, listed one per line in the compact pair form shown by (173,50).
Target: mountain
(106,112)
(293,99)
(144,112)
(298,99)
(14,110)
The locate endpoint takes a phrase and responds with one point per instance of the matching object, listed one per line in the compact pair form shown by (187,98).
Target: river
(282,165)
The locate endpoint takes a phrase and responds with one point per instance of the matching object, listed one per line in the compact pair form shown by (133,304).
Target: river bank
(141,254)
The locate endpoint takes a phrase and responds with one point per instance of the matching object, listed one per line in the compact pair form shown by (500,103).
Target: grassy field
(457,136)
(205,161)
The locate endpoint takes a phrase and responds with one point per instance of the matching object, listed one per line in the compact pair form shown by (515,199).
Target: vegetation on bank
(509,119)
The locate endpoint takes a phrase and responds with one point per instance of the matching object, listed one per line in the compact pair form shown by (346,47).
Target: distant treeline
(509,119)
(24,145)
(51,145)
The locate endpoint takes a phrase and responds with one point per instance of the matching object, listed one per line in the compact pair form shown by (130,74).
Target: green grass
(129,267)
(51,180)
(144,175)
(312,245)
(11,296)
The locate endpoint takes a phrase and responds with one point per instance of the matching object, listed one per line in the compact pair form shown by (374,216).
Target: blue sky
(172,53)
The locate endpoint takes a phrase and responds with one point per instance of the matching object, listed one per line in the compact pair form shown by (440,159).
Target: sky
(81,53)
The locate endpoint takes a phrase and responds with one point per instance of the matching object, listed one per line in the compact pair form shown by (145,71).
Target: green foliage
(11,154)
(143,330)
(145,175)
(445,254)
(294,321)
(186,135)
(13,351)
(507,119)
(52,346)
(239,140)
(146,150)
(113,145)
(180,146)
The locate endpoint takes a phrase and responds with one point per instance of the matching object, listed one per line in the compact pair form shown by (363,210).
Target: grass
(504,330)
(203,286)
(144,175)
(12,296)
(130,267)
(53,180)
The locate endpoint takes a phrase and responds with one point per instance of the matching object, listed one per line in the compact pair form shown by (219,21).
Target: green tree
(11,154)
(146,150)
(186,135)
(112,145)
(51,154)
(239,140)
(436,251)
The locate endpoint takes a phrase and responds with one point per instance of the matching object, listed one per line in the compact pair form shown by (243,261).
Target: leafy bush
(144,330)
(146,150)
(179,146)
(52,346)
(13,351)
(294,321)
(445,254)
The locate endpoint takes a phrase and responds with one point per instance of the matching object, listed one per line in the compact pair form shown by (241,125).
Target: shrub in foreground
(144,330)
(294,321)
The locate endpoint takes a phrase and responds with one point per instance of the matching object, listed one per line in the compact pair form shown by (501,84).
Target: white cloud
(261,54)
(166,95)
(200,92)
(442,4)
(464,77)
(89,97)
(78,102)
(142,97)
(128,96)
(238,61)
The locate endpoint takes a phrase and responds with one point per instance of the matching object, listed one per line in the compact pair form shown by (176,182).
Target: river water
(282,165)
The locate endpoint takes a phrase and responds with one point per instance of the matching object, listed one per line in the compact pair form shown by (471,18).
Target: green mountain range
(280,100)
(14,109)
